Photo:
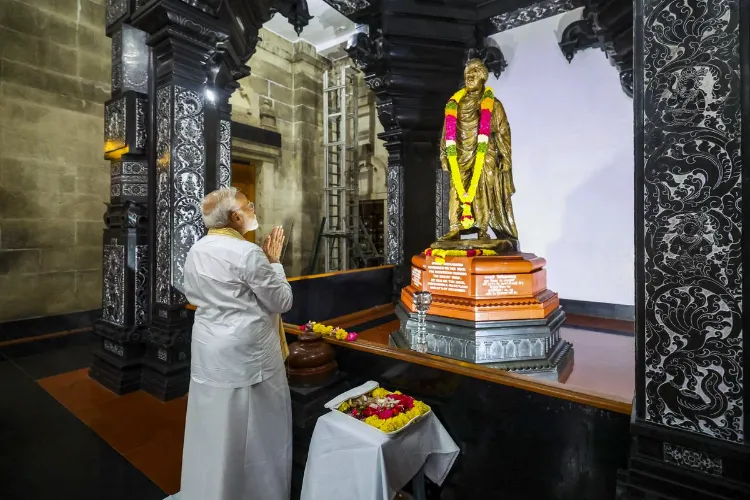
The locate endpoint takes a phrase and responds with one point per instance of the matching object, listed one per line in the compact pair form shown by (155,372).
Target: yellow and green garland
(451,111)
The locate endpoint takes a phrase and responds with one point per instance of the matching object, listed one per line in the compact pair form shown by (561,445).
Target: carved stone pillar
(117,361)
(692,100)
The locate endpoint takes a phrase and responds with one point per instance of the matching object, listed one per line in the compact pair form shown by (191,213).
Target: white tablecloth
(350,460)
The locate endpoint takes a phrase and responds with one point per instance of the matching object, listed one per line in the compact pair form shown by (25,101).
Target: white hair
(224,202)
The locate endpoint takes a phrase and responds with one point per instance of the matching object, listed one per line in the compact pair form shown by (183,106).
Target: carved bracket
(367,52)
(608,25)
(578,36)
(491,55)
(295,11)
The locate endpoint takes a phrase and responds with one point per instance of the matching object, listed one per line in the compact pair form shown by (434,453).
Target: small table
(349,459)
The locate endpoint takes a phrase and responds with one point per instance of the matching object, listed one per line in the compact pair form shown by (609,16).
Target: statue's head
(475,75)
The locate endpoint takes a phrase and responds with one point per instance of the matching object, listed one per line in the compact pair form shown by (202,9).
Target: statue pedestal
(490,310)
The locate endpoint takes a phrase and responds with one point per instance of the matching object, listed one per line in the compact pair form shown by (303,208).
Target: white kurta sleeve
(267,281)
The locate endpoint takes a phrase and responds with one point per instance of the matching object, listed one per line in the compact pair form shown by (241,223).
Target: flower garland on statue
(384,410)
(440,254)
(451,111)
(328,331)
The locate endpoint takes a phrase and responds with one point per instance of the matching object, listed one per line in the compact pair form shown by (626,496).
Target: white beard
(250,226)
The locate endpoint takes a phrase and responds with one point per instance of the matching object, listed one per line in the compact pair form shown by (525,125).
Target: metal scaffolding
(341,177)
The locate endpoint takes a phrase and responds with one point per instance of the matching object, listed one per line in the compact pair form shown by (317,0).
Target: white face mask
(252,225)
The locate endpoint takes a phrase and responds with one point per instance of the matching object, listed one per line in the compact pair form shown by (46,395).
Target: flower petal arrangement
(440,255)
(328,331)
(385,410)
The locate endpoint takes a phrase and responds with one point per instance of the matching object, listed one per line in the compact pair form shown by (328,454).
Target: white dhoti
(238,442)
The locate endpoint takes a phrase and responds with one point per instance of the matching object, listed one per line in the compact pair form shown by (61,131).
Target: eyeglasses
(250,206)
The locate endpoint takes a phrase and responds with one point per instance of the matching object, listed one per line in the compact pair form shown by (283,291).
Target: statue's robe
(492,205)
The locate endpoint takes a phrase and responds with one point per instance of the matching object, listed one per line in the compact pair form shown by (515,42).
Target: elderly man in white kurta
(238,431)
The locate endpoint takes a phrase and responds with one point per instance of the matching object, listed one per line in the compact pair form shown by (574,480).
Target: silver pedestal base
(529,347)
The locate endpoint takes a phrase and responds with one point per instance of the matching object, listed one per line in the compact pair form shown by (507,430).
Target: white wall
(572,137)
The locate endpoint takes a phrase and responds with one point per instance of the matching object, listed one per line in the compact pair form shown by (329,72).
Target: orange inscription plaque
(500,285)
(416,277)
(451,278)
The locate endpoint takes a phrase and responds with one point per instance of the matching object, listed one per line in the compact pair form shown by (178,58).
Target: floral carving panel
(188,179)
(692,229)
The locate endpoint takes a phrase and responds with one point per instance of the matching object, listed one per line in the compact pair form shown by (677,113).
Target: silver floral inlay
(692,231)
(113,286)
(347,7)
(140,123)
(225,154)
(114,348)
(394,184)
(188,172)
(692,459)
(114,125)
(141,285)
(163,194)
(535,12)
(129,179)
(117,63)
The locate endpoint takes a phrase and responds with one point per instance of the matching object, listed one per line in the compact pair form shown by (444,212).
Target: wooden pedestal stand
(493,310)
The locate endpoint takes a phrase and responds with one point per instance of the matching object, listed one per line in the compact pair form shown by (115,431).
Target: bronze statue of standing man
(475,148)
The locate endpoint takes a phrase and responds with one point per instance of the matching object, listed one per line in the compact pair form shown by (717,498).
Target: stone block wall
(286,85)
(373,155)
(54,79)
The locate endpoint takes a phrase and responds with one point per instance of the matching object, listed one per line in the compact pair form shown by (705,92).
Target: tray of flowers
(389,412)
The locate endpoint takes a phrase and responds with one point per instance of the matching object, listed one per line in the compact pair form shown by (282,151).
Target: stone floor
(47,452)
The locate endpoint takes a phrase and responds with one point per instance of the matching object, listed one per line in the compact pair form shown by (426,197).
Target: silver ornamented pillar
(117,361)
(692,118)
(198,51)
(168,136)
(422,301)
(183,43)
